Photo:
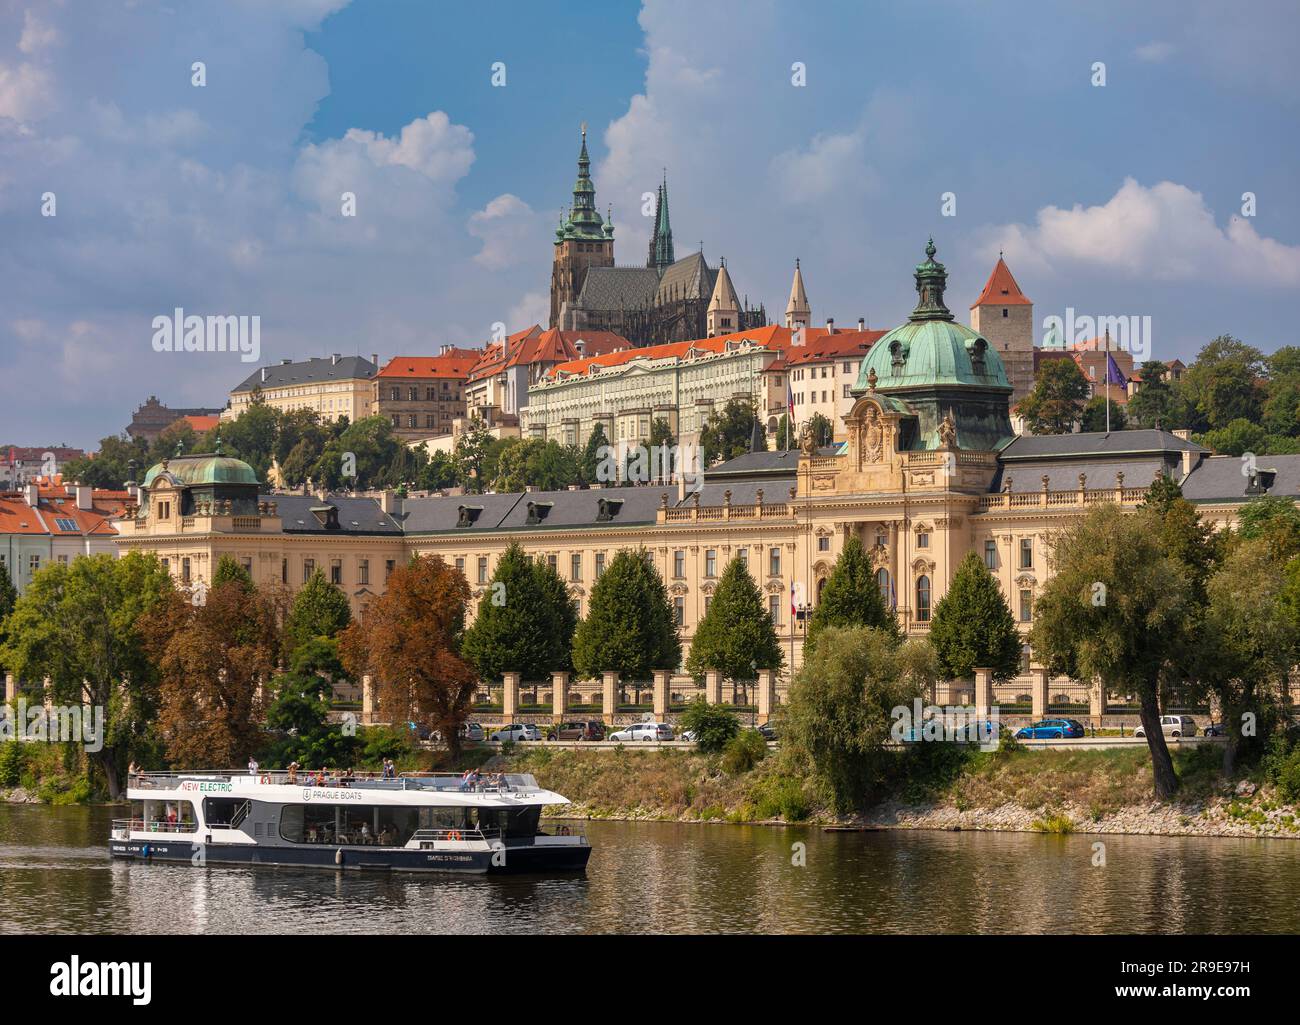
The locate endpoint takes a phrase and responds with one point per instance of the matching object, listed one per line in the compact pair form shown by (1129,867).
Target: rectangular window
(551,561)
(363,571)
(679,612)
(388,569)
(743,554)
(774,562)
(774,608)
(575,566)
(460,566)
(308,568)
(711,563)
(679,563)
(600,564)
(991,555)
(1026,553)
(284,571)
(708,600)
(1026,606)
(923,540)
(336,571)
(482,569)
(185,569)
(247,563)
(823,544)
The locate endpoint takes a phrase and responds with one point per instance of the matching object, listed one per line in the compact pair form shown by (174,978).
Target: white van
(1173,726)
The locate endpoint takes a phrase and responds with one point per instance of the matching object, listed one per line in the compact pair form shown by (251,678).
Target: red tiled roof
(17,517)
(1001,289)
(454,364)
(772,336)
(202,424)
(495,353)
(832,346)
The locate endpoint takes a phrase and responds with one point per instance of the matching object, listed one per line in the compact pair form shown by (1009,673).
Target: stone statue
(947,432)
(807,443)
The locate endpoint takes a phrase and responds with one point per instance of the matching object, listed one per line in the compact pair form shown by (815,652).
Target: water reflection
(673,877)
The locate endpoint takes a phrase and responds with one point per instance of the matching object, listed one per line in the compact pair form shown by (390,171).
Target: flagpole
(1107,380)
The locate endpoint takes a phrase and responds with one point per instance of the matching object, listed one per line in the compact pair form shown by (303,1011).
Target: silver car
(644,731)
(1172,726)
(518,731)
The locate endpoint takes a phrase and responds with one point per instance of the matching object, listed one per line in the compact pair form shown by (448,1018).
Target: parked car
(472,731)
(586,729)
(1172,726)
(767,730)
(1051,729)
(518,731)
(988,729)
(1216,729)
(643,731)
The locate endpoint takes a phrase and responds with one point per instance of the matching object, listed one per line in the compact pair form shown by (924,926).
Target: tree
(471,453)
(661,434)
(80,626)
(251,437)
(439,473)
(1119,608)
(111,465)
(1155,401)
(1247,644)
(8,598)
(972,627)
(1236,438)
(852,596)
(1094,415)
(1225,382)
(736,637)
(525,623)
(1273,519)
(727,432)
(630,625)
(592,455)
(823,431)
(369,447)
(213,660)
(1056,401)
(841,705)
(319,609)
(229,571)
(409,640)
(301,706)
(712,725)
(532,462)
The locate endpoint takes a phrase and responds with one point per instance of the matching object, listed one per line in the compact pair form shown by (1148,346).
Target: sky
(843,134)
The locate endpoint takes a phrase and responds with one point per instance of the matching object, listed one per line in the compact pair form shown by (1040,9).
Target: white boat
(419,822)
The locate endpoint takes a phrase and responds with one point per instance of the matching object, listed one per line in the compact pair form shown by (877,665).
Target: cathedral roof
(688,278)
(1001,289)
(618,288)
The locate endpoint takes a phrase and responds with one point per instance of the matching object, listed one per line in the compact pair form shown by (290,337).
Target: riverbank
(1104,792)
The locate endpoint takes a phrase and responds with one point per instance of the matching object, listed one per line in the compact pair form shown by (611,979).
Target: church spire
(584,220)
(797,311)
(661,239)
(723,314)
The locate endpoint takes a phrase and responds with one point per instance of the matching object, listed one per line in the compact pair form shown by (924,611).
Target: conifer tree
(852,596)
(736,637)
(319,610)
(629,627)
(973,627)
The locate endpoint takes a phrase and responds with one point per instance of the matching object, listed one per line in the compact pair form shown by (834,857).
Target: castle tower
(582,240)
(1005,316)
(797,312)
(723,315)
(660,256)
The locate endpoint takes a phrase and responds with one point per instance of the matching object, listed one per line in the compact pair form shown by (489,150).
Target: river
(658,877)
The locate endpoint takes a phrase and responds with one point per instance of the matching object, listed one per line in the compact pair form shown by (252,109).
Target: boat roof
(441,790)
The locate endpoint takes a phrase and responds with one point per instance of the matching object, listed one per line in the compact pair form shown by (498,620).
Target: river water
(56,877)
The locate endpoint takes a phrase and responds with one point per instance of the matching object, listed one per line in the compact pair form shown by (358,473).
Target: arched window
(923,599)
(886,590)
(821,586)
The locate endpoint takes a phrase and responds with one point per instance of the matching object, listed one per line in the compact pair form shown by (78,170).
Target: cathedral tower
(723,316)
(661,239)
(1005,316)
(582,240)
(797,312)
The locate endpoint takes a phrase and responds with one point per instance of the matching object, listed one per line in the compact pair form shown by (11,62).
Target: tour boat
(420,822)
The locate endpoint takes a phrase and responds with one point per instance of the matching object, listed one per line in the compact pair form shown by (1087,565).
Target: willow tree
(1120,608)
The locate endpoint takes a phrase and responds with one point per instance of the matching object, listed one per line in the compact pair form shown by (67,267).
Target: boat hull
(512,860)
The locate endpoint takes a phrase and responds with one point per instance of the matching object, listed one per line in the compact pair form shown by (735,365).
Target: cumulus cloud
(511,232)
(1165,231)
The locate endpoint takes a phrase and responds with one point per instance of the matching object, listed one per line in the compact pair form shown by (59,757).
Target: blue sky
(1117,200)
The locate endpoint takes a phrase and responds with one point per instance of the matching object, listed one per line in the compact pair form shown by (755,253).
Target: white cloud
(432,145)
(1165,232)
(532,308)
(1155,52)
(511,232)
(37,35)
(25,92)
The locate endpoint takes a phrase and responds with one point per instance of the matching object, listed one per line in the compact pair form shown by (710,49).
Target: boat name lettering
(223,788)
(316,794)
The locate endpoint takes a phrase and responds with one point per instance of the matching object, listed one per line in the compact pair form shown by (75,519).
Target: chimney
(85,496)
(862,324)
(334,359)
(133,490)
(444,349)
(830,325)
(32,493)
(374,358)
(264,375)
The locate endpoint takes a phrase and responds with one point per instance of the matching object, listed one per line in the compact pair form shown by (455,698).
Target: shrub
(11,763)
(743,752)
(713,725)
(1054,823)
(781,797)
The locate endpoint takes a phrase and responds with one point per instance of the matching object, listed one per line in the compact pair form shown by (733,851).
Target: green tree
(713,726)
(319,609)
(228,571)
(629,626)
(525,623)
(1154,402)
(972,627)
(736,637)
(532,462)
(79,626)
(661,433)
(111,465)
(823,431)
(727,432)
(299,711)
(592,455)
(841,708)
(852,596)
(439,473)
(1119,608)
(1236,438)
(1094,415)
(251,437)
(471,455)
(1056,402)
(1273,519)
(1225,382)
(8,598)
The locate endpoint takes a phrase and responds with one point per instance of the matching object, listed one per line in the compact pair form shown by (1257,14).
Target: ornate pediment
(879,556)
(708,587)
(922,566)
(774,587)
(1026,580)
(678,589)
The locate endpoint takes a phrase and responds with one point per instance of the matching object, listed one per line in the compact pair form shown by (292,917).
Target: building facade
(422,395)
(152,418)
(335,386)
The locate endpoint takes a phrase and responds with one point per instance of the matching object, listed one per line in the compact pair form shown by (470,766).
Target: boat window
(349,824)
(515,823)
(220,811)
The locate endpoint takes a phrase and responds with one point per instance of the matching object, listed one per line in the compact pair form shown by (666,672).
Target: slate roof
(688,278)
(618,288)
(558,509)
(1219,478)
(283,375)
(1063,475)
(356,515)
(1095,444)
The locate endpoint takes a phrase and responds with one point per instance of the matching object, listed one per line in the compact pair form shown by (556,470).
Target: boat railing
(122,828)
(423,836)
(451,781)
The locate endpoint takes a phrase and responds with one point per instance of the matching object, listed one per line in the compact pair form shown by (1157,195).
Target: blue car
(1050,729)
(971,732)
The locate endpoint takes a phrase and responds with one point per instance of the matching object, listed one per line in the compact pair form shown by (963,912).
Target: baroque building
(927,472)
(667,300)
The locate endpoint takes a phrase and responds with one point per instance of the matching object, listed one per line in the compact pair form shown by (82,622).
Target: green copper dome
(931,349)
(203,468)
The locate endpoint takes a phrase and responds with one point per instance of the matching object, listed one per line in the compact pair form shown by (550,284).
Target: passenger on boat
(320,777)
(252,766)
(293,772)
(386,837)
(470,780)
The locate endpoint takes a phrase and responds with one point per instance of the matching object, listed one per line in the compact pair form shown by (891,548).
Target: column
(367,700)
(902,599)
(559,695)
(713,687)
(766,694)
(11,687)
(510,696)
(1038,691)
(663,681)
(609,694)
(983,692)
(1096,700)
